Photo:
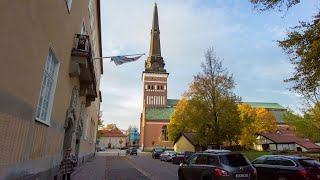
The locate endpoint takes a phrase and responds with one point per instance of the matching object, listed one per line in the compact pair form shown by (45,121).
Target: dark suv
(156,153)
(181,156)
(287,167)
(132,151)
(223,166)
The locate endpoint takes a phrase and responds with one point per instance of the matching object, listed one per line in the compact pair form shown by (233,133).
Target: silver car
(167,155)
(222,166)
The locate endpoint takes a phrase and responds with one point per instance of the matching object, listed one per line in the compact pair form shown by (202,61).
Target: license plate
(242,175)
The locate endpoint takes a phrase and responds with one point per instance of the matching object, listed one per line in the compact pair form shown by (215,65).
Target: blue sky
(245,39)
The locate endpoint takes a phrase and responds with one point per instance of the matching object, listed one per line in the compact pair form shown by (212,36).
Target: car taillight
(304,173)
(221,172)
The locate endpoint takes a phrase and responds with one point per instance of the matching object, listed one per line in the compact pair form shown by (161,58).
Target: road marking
(139,169)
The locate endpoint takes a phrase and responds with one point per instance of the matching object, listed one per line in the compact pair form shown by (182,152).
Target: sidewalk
(94,170)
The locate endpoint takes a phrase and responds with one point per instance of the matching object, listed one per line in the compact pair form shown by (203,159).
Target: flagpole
(119,55)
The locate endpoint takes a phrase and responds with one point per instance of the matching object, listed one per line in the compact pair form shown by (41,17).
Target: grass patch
(147,150)
(251,155)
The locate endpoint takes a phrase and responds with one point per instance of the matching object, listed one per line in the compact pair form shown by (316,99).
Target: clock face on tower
(155,65)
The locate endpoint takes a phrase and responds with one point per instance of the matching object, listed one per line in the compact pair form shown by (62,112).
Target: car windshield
(234,160)
(158,150)
(180,153)
(309,163)
(171,152)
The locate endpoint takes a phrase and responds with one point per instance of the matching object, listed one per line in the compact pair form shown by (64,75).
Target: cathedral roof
(159,113)
(265,105)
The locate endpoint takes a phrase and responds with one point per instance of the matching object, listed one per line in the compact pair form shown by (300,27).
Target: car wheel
(282,178)
(180,175)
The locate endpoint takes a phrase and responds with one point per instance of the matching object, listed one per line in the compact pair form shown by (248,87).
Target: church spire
(155,61)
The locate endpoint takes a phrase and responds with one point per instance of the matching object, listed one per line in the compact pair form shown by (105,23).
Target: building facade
(156,111)
(49,85)
(112,139)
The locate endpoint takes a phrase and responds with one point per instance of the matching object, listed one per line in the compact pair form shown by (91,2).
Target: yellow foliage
(253,121)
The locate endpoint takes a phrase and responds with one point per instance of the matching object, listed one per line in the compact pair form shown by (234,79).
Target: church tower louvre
(155,75)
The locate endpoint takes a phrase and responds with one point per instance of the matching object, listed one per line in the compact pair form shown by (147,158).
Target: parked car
(167,155)
(280,167)
(131,151)
(216,151)
(102,149)
(181,156)
(222,166)
(156,153)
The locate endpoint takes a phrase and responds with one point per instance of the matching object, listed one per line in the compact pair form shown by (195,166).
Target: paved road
(111,166)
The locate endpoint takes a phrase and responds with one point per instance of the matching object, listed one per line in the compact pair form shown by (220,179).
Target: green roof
(173,102)
(265,105)
(159,113)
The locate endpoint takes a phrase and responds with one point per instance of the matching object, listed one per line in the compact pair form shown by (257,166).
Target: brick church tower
(155,102)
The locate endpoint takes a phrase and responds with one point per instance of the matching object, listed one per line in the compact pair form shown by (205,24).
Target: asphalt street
(115,165)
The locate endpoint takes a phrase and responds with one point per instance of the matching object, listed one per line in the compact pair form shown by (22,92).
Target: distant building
(112,139)
(276,109)
(134,137)
(49,87)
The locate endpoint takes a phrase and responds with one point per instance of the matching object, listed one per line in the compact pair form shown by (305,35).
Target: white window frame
(83,28)
(51,62)
(69,3)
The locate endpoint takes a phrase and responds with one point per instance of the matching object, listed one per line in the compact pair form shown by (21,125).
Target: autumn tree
(111,127)
(210,106)
(253,121)
(180,119)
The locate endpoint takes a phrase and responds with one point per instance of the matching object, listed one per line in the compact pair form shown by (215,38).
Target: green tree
(307,126)
(253,121)
(213,105)
(100,121)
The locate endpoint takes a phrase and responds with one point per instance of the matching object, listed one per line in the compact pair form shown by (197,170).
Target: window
(165,133)
(285,162)
(193,159)
(202,159)
(48,87)
(234,160)
(259,160)
(211,160)
(309,163)
(83,28)
(69,2)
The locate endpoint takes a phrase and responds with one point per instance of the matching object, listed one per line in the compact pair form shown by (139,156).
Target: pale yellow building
(49,84)
(185,142)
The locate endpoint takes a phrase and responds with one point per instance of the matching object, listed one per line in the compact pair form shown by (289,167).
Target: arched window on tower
(152,87)
(149,87)
(164,133)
